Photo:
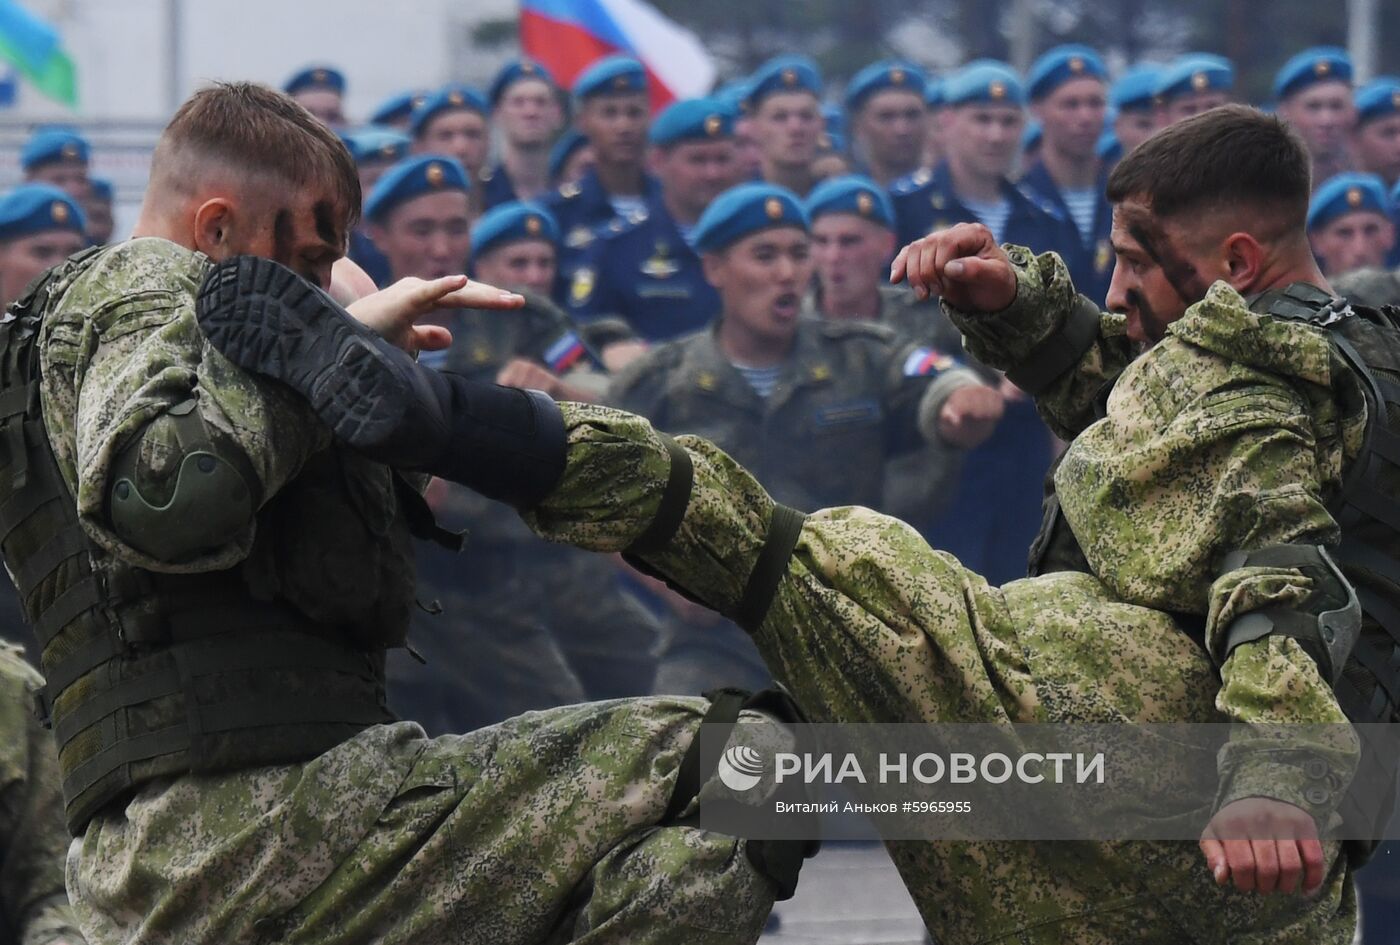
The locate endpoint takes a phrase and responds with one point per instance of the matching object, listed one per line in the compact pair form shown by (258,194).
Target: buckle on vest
(42,708)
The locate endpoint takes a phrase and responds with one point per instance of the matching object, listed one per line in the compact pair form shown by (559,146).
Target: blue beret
(1319,64)
(1060,65)
(377,144)
(851,194)
(38,208)
(53,144)
(743,210)
(1378,98)
(423,174)
(1135,89)
(569,142)
(512,222)
(984,82)
(1109,149)
(613,75)
(695,119)
(101,189)
(733,93)
(933,94)
(398,107)
(1032,135)
(516,70)
(880,76)
(1347,193)
(447,98)
(783,74)
(1195,72)
(834,119)
(316,77)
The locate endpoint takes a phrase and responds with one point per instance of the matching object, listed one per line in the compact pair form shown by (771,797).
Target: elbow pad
(179,489)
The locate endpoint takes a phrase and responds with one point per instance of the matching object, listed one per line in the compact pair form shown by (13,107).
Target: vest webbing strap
(1059,352)
(675,498)
(784,528)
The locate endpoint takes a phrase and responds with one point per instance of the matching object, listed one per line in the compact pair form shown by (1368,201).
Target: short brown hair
(261,131)
(1231,156)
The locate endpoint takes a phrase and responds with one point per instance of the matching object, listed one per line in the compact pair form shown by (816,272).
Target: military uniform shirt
(644,272)
(580,208)
(1092,267)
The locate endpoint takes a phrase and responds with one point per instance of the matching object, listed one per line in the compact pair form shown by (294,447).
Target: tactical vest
(155,675)
(1367,509)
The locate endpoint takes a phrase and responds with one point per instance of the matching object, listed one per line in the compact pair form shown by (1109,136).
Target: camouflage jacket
(848,398)
(34,906)
(1226,435)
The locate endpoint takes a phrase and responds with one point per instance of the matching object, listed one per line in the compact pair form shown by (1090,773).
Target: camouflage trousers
(1056,648)
(542,829)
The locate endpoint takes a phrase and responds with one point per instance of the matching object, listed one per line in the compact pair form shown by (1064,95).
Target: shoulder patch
(579,237)
(922,362)
(564,353)
(570,190)
(911,182)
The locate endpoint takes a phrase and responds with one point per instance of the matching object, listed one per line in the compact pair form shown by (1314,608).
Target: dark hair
(261,131)
(1231,156)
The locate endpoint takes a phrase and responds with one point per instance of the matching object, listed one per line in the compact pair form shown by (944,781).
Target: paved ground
(849,894)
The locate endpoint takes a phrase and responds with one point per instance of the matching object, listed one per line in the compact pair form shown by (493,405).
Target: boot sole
(268,320)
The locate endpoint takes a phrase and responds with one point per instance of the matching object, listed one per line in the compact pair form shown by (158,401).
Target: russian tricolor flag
(566,36)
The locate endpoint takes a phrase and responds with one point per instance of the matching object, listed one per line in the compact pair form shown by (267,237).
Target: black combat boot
(503,442)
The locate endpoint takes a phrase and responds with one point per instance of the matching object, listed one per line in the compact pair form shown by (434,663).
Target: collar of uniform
(943,181)
(706,368)
(1223,324)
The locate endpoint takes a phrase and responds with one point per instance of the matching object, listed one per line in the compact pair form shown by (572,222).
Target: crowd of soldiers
(632,237)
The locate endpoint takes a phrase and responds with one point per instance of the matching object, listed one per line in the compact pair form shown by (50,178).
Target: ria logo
(740,768)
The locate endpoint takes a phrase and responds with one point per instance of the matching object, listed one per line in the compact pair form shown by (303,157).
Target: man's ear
(1243,261)
(213,226)
(713,265)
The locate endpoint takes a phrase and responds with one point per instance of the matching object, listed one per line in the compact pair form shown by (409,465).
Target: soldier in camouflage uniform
(215,585)
(816,421)
(34,906)
(1225,435)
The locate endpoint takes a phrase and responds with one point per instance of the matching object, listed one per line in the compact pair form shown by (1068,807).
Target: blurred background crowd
(703,223)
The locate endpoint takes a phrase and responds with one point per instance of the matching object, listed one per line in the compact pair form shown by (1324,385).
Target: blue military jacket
(580,208)
(644,272)
(1094,270)
(496,187)
(924,202)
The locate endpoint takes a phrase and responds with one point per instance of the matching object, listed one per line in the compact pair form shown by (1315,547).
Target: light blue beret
(1195,72)
(423,174)
(1135,89)
(694,119)
(1347,193)
(377,144)
(880,76)
(613,75)
(398,107)
(984,82)
(853,194)
(516,70)
(53,144)
(783,74)
(1311,66)
(38,208)
(744,210)
(447,98)
(1060,65)
(316,77)
(1378,98)
(513,222)
(933,94)
(101,189)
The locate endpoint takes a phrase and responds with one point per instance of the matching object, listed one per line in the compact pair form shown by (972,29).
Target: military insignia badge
(937,201)
(620,82)
(70,150)
(706,381)
(455,98)
(661,265)
(997,90)
(582,287)
(820,372)
(1354,197)
(1200,81)
(789,78)
(533,226)
(1103,256)
(925,361)
(1322,67)
(897,76)
(712,125)
(481,354)
(319,75)
(864,203)
(579,237)
(59,211)
(387,151)
(1076,64)
(527,68)
(434,175)
(570,190)
(774,208)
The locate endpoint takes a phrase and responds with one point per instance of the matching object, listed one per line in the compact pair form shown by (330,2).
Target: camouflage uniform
(544,828)
(1223,436)
(34,906)
(843,405)
(917,484)
(1373,287)
(524,624)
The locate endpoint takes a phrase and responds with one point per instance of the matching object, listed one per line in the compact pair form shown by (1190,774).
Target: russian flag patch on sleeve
(564,353)
(925,361)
